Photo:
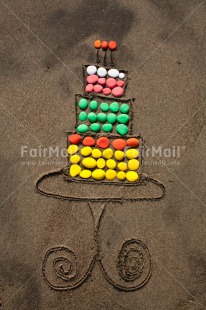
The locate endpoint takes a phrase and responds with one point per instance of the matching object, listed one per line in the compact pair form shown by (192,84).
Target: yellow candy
(75,159)
(86,151)
(108,153)
(96,153)
(85,174)
(119,155)
(111,163)
(132,176)
(110,174)
(122,166)
(89,162)
(133,164)
(72,149)
(121,175)
(75,170)
(101,163)
(132,153)
(98,174)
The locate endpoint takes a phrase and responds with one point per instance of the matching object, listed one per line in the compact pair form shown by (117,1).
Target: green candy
(95,127)
(101,117)
(104,107)
(124,108)
(82,128)
(92,117)
(114,107)
(93,105)
(82,116)
(83,103)
(122,129)
(107,127)
(111,118)
(123,118)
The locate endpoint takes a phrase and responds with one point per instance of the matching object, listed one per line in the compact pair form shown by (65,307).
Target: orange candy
(105,45)
(112,45)
(119,144)
(97,44)
(88,141)
(132,142)
(103,142)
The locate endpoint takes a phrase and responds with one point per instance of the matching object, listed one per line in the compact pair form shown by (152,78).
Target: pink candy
(98,88)
(102,81)
(92,79)
(107,91)
(111,82)
(120,83)
(89,88)
(117,91)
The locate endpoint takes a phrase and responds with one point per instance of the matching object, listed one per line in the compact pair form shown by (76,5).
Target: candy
(119,155)
(74,170)
(102,72)
(89,162)
(112,45)
(105,45)
(85,174)
(122,129)
(107,91)
(101,81)
(95,127)
(89,88)
(110,174)
(104,106)
(121,75)
(132,176)
(132,142)
(91,70)
(93,105)
(114,107)
(96,153)
(107,127)
(117,91)
(98,88)
(133,164)
(74,139)
(108,153)
(92,79)
(97,44)
(123,118)
(121,175)
(75,159)
(83,103)
(101,117)
(111,163)
(111,118)
(98,174)
(101,163)
(120,83)
(111,83)
(92,117)
(124,108)
(82,128)
(132,153)
(103,142)
(122,166)
(88,141)
(82,116)
(119,144)
(86,151)
(72,149)
(113,73)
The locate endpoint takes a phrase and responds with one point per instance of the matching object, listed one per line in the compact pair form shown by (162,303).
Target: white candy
(91,70)
(121,75)
(102,72)
(113,73)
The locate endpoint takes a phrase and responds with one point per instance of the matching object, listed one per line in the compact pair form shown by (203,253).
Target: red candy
(88,141)
(120,83)
(117,91)
(112,45)
(102,81)
(132,142)
(74,139)
(105,45)
(89,88)
(103,142)
(92,79)
(107,91)
(119,144)
(98,88)
(97,44)
(111,82)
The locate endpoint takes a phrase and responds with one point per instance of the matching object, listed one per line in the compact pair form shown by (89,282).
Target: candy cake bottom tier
(109,158)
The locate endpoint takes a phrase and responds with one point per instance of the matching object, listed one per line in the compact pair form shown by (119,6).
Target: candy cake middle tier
(98,157)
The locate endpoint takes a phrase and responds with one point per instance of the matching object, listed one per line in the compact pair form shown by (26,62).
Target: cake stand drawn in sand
(105,158)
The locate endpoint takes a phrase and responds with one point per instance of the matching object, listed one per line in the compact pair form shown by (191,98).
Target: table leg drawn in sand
(104,163)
